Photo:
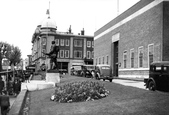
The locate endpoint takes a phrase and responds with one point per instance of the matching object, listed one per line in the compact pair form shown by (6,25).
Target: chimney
(82,32)
(70,30)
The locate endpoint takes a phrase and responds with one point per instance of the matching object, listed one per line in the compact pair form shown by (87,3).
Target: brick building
(134,39)
(74,49)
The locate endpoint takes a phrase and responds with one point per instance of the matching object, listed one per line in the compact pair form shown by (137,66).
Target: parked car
(76,70)
(103,72)
(88,71)
(158,76)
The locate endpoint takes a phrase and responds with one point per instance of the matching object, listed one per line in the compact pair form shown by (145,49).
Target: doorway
(115,64)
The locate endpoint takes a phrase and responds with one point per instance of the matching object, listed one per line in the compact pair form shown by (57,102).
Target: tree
(12,53)
(4,51)
(14,56)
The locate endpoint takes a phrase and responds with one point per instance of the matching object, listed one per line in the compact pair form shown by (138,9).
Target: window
(57,42)
(150,53)
(43,50)
(58,54)
(140,55)
(92,44)
(125,59)
(107,59)
(67,42)
(61,53)
(66,53)
(99,60)
(88,54)
(88,43)
(62,42)
(43,41)
(103,61)
(132,58)
(78,43)
(92,54)
(77,54)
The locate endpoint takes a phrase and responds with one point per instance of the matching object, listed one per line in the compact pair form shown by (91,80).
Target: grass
(122,100)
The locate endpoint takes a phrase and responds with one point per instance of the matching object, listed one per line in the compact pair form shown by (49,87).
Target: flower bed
(79,91)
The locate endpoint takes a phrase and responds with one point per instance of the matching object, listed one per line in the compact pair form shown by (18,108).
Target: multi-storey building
(74,49)
(134,39)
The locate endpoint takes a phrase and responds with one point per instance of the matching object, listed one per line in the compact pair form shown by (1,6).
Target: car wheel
(152,86)
(103,79)
(110,80)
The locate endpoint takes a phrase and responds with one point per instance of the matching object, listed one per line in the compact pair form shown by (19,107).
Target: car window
(158,68)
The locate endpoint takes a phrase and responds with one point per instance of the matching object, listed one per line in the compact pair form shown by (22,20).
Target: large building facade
(74,49)
(134,39)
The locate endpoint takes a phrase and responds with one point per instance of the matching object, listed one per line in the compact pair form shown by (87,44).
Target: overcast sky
(19,18)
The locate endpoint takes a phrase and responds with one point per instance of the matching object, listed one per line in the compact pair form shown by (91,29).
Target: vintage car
(88,71)
(103,72)
(158,76)
(76,70)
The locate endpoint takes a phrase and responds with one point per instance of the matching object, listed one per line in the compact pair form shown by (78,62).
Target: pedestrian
(16,87)
(1,85)
(4,104)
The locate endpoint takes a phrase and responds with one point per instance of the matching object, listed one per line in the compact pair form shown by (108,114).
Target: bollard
(5,104)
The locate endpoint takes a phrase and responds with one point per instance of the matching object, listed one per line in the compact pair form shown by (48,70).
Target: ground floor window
(125,59)
(107,59)
(150,53)
(132,58)
(140,55)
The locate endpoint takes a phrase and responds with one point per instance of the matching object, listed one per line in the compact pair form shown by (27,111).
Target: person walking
(1,85)
(16,87)
(4,104)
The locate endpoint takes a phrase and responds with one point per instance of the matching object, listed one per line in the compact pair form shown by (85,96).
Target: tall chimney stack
(82,32)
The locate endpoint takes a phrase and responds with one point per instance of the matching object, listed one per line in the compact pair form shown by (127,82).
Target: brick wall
(143,30)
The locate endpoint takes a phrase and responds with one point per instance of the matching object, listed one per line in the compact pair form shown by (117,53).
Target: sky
(19,18)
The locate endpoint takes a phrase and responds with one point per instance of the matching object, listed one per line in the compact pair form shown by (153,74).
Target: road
(137,84)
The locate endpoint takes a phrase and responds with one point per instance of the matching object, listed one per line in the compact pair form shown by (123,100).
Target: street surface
(137,84)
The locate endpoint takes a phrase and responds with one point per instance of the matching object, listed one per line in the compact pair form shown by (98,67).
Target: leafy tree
(12,53)
(4,52)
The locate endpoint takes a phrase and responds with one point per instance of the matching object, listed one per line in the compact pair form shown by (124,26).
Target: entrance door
(116,58)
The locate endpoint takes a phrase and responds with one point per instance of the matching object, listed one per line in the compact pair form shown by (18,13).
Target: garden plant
(79,91)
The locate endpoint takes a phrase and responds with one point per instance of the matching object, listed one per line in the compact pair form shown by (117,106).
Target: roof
(160,63)
(48,23)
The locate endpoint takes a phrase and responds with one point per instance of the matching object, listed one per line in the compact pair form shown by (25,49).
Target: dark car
(158,76)
(103,72)
(88,71)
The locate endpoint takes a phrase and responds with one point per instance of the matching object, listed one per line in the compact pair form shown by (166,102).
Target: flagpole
(117,7)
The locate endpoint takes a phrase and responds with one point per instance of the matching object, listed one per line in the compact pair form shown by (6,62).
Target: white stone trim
(133,76)
(134,69)
(115,37)
(134,15)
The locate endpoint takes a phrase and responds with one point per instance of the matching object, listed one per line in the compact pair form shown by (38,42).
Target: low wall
(18,105)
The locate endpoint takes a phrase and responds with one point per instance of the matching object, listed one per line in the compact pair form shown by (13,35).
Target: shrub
(79,91)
